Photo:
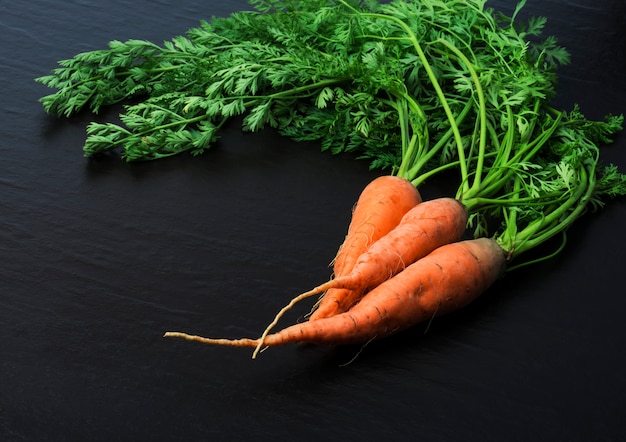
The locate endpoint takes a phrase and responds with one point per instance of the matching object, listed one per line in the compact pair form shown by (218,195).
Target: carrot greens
(417,88)
(323,70)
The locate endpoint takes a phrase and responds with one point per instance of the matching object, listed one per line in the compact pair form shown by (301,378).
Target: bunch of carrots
(526,172)
(404,260)
(424,88)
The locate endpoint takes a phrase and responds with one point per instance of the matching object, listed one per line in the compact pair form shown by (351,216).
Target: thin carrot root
(316,291)
(244,342)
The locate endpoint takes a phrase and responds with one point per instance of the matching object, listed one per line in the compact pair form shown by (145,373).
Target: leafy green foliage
(321,70)
(415,87)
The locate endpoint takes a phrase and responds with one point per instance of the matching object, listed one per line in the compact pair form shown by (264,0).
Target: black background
(99,258)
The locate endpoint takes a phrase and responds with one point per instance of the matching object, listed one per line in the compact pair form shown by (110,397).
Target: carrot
(445,280)
(380,208)
(422,229)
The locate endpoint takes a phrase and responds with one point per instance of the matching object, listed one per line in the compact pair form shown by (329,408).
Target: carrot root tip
(244,342)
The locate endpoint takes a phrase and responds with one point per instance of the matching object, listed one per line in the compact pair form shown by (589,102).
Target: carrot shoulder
(447,279)
(379,209)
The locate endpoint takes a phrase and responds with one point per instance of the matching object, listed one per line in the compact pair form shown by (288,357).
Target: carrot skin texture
(447,279)
(379,209)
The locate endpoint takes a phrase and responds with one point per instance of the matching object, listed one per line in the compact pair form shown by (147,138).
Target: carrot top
(417,87)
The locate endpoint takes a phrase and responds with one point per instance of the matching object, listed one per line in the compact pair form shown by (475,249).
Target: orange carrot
(445,280)
(422,229)
(380,207)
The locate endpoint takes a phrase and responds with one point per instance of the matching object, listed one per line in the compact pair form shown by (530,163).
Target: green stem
(413,173)
(433,79)
(482,113)
(559,216)
(414,139)
(499,175)
(555,221)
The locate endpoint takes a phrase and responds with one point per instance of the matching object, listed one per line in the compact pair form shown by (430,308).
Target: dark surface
(99,258)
